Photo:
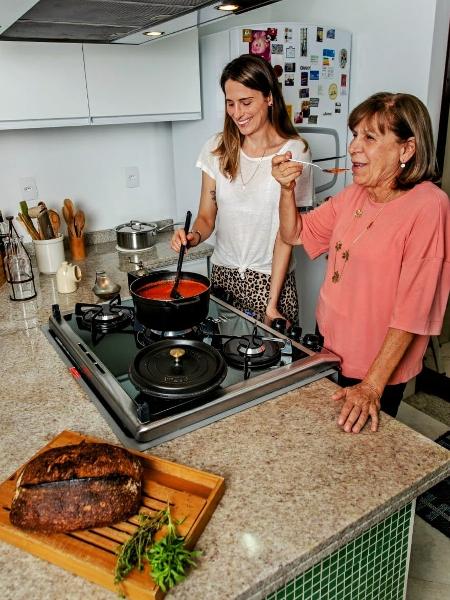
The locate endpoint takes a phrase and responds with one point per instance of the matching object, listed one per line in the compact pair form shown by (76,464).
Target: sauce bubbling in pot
(160,290)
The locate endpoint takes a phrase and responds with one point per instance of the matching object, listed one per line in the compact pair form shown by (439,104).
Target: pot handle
(188,302)
(164,227)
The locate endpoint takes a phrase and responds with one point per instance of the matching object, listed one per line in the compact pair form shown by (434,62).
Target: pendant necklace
(245,183)
(345,254)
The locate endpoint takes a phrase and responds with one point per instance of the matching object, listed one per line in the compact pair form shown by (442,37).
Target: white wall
(87,165)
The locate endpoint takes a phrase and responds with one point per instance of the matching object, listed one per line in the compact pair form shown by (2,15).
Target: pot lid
(178,369)
(136,227)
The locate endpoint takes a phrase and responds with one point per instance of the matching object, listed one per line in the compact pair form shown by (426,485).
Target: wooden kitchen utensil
(79,221)
(55,221)
(77,247)
(193,497)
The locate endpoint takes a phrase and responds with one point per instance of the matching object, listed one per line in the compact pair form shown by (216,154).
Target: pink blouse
(397,273)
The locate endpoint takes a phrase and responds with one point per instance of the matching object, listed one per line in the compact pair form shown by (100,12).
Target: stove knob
(222,294)
(279,325)
(56,312)
(311,341)
(295,333)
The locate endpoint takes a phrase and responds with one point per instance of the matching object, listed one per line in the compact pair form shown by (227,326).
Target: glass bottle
(19,272)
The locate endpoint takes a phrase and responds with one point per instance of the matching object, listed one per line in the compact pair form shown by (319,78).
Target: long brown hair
(257,74)
(406,116)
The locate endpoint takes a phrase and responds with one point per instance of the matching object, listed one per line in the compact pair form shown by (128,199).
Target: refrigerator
(312,63)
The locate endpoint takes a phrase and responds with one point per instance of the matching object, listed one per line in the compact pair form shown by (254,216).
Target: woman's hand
(361,401)
(179,238)
(273,313)
(285,171)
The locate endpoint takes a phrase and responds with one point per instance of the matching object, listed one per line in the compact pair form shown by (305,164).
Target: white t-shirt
(247,218)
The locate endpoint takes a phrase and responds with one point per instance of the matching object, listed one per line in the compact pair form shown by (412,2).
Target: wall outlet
(28,189)
(132,177)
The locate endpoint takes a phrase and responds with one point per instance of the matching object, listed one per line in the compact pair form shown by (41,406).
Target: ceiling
(108,21)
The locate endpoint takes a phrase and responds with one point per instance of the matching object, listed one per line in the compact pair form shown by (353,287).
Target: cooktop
(101,342)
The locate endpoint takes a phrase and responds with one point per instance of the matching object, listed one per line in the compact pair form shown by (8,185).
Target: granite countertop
(297,487)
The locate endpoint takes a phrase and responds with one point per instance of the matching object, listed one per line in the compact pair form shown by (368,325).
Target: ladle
(174,292)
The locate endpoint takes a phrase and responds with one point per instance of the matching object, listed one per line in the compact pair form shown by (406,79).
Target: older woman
(387,236)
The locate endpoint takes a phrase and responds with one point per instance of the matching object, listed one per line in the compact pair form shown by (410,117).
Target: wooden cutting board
(193,496)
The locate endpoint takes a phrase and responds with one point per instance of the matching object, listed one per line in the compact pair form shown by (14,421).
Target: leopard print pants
(252,292)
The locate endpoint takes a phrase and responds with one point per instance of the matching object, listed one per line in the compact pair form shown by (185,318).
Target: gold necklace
(345,255)
(245,183)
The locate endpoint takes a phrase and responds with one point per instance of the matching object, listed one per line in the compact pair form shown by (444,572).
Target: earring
(402,165)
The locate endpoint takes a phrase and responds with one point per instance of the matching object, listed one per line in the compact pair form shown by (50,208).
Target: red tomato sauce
(160,290)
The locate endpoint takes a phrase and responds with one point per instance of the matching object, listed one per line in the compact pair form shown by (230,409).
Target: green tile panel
(371,567)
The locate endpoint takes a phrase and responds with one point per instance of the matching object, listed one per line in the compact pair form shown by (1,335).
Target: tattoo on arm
(213,196)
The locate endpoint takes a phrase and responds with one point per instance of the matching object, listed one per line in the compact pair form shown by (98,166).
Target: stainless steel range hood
(106,21)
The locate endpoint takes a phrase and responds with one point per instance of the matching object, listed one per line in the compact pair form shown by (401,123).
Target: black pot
(170,315)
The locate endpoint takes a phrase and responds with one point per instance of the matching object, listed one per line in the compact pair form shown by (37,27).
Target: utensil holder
(49,254)
(77,247)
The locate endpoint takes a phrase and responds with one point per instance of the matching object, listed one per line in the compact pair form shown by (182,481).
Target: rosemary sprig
(132,552)
(168,558)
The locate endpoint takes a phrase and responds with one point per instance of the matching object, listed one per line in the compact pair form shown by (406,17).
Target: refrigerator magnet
(288,80)
(314,75)
(332,91)
(290,51)
(343,58)
(314,59)
(304,92)
(337,107)
(289,67)
(260,44)
(303,41)
(319,34)
(288,34)
(277,48)
(331,34)
(305,108)
(246,35)
(289,110)
(278,70)
(314,102)
(312,120)
(343,80)
(304,78)
(298,118)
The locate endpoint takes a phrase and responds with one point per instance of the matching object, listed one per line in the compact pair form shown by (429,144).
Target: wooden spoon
(70,207)
(68,218)
(55,221)
(79,222)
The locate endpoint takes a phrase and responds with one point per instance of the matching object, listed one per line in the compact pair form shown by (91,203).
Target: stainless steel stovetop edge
(160,437)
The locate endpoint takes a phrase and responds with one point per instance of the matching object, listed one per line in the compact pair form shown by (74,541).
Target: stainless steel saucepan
(137,235)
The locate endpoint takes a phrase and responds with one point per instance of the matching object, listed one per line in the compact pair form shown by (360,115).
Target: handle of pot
(186,302)
(164,227)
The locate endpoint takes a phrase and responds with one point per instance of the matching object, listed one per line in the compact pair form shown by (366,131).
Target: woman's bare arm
(286,173)
(205,220)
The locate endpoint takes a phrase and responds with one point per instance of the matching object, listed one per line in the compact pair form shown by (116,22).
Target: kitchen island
(307,508)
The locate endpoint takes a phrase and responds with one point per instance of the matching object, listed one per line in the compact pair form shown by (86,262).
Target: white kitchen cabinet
(43,85)
(159,81)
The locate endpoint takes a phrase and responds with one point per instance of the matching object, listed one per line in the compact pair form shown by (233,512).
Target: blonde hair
(257,74)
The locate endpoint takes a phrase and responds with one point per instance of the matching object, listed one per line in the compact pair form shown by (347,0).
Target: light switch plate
(28,189)
(132,177)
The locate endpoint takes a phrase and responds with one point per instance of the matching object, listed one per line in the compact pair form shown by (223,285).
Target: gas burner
(251,351)
(145,336)
(104,317)
(170,334)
